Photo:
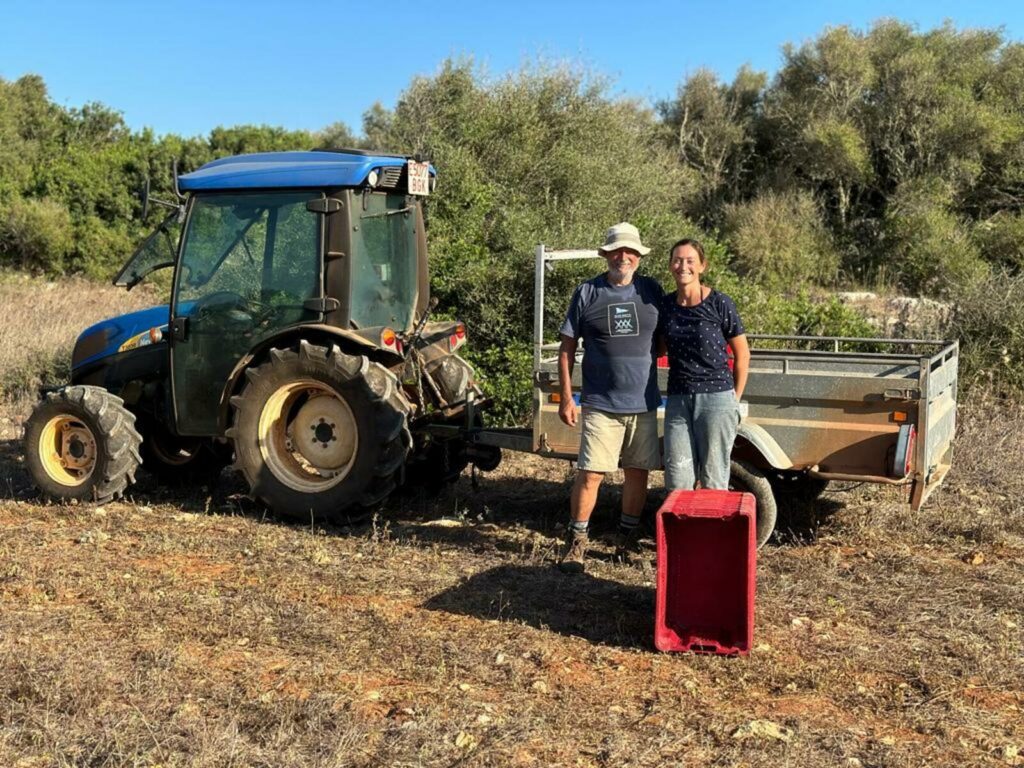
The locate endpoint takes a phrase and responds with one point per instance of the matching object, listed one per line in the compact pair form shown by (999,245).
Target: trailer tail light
(389,340)
(155,335)
(903,459)
(458,338)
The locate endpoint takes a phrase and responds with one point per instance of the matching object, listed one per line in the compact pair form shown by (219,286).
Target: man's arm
(566,361)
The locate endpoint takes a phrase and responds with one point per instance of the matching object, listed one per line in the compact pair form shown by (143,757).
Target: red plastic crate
(707,571)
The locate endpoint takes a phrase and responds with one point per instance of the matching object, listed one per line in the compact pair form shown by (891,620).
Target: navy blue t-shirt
(617,325)
(696,337)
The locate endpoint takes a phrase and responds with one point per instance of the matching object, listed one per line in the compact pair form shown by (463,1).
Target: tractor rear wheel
(81,443)
(320,433)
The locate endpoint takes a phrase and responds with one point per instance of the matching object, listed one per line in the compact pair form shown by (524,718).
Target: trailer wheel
(81,443)
(177,461)
(319,432)
(797,485)
(746,477)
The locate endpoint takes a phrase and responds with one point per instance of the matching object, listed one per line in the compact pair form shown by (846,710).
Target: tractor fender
(759,439)
(286,337)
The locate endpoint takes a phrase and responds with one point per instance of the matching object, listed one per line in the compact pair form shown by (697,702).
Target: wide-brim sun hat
(623,235)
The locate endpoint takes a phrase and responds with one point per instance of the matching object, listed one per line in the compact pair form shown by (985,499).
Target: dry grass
(188,630)
(40,320)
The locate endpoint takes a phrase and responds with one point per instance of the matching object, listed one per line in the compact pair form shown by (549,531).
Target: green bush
(779,240)
(929,249)
(35,235)
(988,319)
(100,249)
(1001,240)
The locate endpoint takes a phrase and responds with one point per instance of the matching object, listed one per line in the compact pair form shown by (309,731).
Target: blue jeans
(699,432)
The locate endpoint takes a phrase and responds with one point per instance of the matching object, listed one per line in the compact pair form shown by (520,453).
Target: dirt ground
(189,628)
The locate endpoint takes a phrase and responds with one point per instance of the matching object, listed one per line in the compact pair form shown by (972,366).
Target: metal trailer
(881,416)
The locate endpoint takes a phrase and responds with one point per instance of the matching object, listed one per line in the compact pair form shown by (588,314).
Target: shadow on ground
(580,605)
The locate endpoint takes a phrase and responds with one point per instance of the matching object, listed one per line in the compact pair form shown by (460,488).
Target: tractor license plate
(419,178)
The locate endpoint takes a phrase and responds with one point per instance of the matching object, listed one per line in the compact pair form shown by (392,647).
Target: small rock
(465,741)
(615,709)
(500,659)
(99,512)
(975,558)
(373,695)
(540,686)
(887,740)
(484,720)
(763,729)
(465,687)
(1010,753)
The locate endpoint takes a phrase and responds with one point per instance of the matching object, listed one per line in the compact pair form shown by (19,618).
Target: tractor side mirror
(144,197)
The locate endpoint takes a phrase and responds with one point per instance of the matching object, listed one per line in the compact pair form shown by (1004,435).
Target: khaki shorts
(607,437)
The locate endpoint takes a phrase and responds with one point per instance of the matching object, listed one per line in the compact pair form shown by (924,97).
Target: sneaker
(575,551)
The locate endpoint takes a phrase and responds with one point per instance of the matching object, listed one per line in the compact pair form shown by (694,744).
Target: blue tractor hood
(118,334)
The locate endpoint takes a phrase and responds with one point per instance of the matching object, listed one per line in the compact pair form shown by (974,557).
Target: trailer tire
(748,478)
(320,433)
(797,485)
(81,444)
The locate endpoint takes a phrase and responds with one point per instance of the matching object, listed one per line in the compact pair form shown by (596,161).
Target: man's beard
(621,274)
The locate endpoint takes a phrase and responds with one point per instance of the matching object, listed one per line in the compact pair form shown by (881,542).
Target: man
(615,314)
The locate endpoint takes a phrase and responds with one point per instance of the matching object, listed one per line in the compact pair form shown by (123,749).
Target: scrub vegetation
(889,159)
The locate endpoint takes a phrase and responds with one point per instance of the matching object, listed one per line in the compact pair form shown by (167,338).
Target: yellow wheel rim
(308,436)
(67,451)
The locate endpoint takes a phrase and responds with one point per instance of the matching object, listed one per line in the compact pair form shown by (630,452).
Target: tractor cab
(274,241)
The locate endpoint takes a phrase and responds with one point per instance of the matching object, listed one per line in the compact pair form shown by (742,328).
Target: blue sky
(186,67)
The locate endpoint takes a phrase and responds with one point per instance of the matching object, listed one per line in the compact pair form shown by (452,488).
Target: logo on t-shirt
(622,320)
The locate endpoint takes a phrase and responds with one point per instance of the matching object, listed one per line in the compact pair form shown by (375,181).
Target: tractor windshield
(384,279)
(156,252)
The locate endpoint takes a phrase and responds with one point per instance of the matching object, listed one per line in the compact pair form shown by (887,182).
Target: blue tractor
(297,346)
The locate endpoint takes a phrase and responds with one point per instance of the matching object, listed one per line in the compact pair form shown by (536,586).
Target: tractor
(297,346)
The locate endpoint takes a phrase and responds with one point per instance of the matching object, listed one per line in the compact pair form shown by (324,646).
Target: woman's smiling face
(686,265)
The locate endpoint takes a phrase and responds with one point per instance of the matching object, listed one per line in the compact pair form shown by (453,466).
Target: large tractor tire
(180,461)
(81,443)
(320,433)
(748,478)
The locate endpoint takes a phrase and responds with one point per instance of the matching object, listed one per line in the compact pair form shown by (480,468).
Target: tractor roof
(315,169)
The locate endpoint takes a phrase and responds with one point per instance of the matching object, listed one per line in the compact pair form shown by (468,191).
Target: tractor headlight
(373,178)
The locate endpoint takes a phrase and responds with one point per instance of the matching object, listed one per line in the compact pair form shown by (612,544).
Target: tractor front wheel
(81,443)
(320,433)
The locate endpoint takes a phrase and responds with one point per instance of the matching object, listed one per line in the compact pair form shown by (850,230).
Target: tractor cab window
(248,263)
(157,251)
(259,249)
(384,277)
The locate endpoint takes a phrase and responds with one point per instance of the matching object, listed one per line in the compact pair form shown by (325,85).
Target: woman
(697,326)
